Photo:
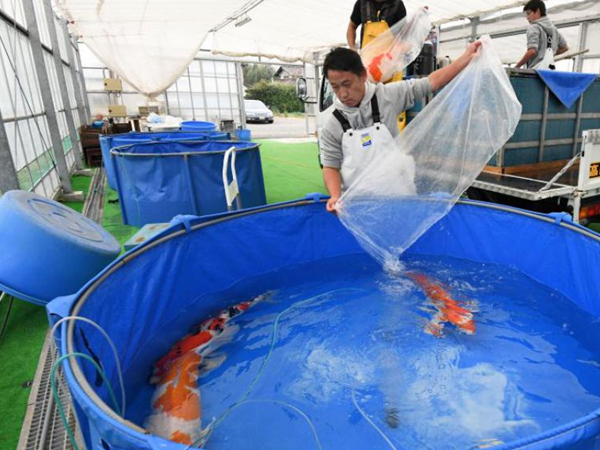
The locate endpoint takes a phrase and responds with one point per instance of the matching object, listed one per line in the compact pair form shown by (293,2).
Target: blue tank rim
(121,151)
(20,295)
(184,225)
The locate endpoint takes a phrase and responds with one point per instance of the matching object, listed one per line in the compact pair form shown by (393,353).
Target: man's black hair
(535,5)
(343,59)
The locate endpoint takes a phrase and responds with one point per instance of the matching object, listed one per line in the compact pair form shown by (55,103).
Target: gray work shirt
(393,98)
(537,38)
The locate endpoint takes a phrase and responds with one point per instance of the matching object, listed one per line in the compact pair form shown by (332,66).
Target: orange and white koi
(448,309)
(176,403)
(375,67)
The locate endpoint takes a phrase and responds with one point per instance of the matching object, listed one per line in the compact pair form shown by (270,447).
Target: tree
(279,97)
(253,73)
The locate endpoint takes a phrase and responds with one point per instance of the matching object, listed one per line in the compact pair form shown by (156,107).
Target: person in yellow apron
(376,17)
(364,118)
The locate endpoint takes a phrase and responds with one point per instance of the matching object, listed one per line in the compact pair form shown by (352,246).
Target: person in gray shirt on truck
(365,114)
(542,36)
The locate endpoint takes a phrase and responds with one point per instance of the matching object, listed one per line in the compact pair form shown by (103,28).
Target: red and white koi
(448,309)
(176,403)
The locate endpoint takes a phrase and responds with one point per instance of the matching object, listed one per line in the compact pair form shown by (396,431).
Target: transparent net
(404,190)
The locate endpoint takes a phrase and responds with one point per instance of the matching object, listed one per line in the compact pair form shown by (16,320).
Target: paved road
(283,127)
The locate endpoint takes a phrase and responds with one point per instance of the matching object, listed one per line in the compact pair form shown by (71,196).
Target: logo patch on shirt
(365,139)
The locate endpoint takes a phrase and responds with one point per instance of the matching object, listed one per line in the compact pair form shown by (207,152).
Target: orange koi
(448,309)
(375,66)
(176,404)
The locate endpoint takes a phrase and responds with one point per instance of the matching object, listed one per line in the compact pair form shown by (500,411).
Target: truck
(550,164)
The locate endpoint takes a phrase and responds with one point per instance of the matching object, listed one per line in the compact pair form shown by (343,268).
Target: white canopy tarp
(295,31)
(150,43)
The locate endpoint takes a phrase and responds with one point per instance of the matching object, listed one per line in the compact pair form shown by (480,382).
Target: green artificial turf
(111,218)
(79,183)
(19,354)
(290,170)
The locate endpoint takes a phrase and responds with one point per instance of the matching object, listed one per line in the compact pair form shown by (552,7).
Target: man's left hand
(472,49)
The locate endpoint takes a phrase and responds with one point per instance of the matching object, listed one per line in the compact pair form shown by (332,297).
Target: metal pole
(203,91)
(306,106)
(189,77)
(544,123)
(583,31)
(82,79)
(167,102)
(577,126)
(318,100)
(76,83)
(46,93)
(240,81)
(217,87)
(474,24)
(8,174)
(62,84)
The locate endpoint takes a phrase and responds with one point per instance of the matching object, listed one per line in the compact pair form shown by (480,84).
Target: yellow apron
(372,30)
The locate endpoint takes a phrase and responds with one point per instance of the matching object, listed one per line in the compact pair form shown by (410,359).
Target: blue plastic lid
(66,223)
(198,125)
(48,250)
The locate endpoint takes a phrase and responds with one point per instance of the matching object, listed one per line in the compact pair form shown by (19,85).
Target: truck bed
(529,184)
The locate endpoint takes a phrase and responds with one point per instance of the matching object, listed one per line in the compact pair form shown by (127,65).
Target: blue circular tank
(137,296)
(197,125)
(109,141)
(48,250)
(244,135)
(159,180)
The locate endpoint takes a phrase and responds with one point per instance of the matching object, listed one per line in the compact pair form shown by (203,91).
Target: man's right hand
(332,204)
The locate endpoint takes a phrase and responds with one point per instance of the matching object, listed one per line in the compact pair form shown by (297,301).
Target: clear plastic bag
(397,47)
(404,190)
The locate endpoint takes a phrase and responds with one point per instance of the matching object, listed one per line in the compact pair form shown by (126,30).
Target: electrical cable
(290,406)
(368,419)
(112,346)
(57,397)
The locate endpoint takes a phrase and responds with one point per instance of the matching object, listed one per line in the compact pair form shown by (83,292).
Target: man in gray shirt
(541,35)
(365,114)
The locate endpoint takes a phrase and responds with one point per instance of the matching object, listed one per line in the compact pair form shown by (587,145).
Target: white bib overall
(360,147)
(547,62)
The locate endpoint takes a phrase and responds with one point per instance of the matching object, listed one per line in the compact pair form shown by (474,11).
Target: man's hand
(443,76)
(530,53)
(332,204)
(472,49)
(333,183)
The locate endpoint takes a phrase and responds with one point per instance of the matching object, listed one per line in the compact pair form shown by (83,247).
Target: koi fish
(176,403)
(448,309)
(375,66)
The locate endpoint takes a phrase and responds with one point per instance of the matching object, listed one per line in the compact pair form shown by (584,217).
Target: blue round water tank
(196,258)
(48,250)
(159,180)
(110,141)
(243,134)
(197,125)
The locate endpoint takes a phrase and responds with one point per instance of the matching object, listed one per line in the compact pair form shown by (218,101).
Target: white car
(257,111)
